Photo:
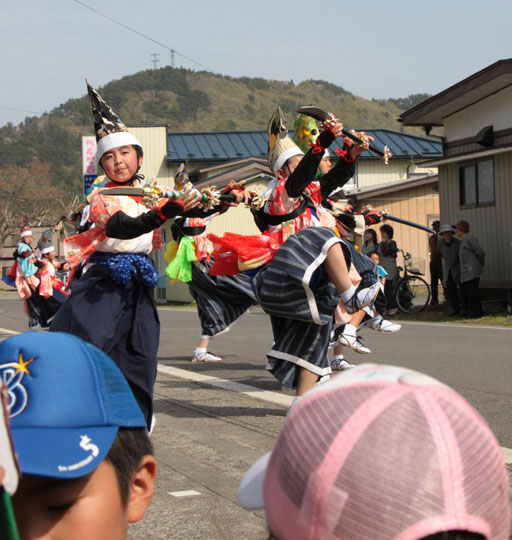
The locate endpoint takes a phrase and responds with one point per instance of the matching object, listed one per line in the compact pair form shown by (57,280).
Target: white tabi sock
(349,330)
(348,294)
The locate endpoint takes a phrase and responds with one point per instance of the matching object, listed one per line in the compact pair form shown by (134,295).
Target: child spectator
(380,453)
(83,449)
(387,250)
(374,256)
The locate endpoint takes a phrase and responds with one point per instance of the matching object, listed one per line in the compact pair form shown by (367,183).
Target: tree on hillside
(28,191)
(410,101)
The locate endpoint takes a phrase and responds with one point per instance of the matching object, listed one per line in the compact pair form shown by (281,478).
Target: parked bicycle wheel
(412,294)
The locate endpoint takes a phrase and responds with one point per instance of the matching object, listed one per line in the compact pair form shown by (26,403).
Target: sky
(372,49)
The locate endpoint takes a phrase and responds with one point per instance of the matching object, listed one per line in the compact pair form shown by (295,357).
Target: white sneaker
(206,357)
(381,325)
(340,364)
(363,298)
(354,342)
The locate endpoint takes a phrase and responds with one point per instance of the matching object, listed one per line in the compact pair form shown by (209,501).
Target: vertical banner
(89,169)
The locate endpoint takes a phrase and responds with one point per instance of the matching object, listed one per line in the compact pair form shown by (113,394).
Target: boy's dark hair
(388,230)
(129,447)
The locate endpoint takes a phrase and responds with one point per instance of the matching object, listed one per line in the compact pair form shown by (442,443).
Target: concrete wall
(372,173)
(420,205)
(495,110)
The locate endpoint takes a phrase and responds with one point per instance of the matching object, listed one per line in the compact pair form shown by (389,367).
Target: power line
(20,110)
(172,51)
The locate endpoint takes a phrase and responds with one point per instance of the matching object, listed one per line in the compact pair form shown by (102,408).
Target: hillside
(186,101)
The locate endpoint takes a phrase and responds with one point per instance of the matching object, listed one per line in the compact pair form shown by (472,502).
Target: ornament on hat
(280,145)
(25,228)
(45,243)
(181,179)
(109,130)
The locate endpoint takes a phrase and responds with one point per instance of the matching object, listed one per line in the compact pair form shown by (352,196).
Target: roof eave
(411,116)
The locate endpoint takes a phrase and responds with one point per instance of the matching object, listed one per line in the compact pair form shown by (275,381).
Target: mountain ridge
(185,100)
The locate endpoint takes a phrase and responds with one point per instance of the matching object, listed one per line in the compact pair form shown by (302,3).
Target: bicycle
(412,292)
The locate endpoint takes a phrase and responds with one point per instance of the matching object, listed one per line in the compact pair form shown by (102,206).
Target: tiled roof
(220,146)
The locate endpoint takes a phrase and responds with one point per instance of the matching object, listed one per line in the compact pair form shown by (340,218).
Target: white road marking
(9,332)
(225,384)
(187,493)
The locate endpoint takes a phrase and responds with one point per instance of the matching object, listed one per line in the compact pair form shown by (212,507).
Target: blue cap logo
(12,375)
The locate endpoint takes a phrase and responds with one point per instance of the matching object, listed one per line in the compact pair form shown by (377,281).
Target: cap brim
(250,492)
(62,452)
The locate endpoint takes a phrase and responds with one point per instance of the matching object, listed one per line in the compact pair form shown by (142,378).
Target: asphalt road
(475,360)
(206,437)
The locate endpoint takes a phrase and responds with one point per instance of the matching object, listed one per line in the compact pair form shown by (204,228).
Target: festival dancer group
(301,270)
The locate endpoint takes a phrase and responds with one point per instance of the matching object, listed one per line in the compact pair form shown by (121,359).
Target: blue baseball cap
(67,401)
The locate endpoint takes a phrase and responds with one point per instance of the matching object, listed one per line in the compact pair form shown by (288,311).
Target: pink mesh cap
(381,453)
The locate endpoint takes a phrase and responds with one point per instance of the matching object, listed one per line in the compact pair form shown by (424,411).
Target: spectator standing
(436,263)
(472,261)
(448,247)
(370,242)
(387,251)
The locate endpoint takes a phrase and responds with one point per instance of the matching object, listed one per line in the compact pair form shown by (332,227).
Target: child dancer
(52,290)
(220,300)
(305,265)
(112,305)
(26,280)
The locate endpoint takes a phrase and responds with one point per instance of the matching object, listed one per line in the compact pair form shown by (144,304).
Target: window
(476,183)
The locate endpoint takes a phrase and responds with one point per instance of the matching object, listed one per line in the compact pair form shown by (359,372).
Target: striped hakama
(221,300)
(295,290)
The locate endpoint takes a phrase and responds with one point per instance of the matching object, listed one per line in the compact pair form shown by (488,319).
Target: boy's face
(81,508)
(325,165)
(375,257)
(289,167)
(120,164)
(27,239)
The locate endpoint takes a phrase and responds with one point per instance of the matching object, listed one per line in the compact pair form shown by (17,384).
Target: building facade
(475,172)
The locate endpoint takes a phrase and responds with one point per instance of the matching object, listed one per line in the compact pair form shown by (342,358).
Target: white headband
(115,140)
(285,156)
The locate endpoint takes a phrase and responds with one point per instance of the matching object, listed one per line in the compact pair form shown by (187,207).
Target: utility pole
(155,59)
